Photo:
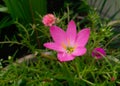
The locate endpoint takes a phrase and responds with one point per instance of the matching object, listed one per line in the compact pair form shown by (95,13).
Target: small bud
(49,20)
(98,53)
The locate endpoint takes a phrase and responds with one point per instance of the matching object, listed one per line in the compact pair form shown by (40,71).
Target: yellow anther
(69,49)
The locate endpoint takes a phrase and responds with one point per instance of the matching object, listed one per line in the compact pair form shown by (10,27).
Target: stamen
(69,49)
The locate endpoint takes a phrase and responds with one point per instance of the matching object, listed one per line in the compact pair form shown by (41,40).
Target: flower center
(69,49)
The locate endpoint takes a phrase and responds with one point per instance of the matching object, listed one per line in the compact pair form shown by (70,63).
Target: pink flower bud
(49,20)
(112,79)
(98,53)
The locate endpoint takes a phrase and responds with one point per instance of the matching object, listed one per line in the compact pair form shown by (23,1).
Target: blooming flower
(49,20)
(68,44)
(98,53)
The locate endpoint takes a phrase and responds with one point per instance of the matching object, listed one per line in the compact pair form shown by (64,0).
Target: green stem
(34,26)
(77,70)
(88,82)
(68,73)
(11,42)
(27,34)
(67,69)
(68,11)
(106,60)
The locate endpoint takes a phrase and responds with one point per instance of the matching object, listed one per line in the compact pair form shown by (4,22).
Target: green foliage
(3,9)
(83,71)
(5,22)
(43,69)
(26,10)
(24,15)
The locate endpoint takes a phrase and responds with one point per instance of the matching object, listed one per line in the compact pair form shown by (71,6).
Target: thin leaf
(114,15)
(102,6)
(107,11)
(25,10)
(5,22)
(3,9)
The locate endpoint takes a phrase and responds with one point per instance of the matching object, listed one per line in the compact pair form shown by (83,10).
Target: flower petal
(57,34)
(79,51)
(54,46)
(82,37)
(62,56)
(71,32)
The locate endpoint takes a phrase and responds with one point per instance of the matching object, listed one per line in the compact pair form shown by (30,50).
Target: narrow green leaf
(107,11)
(102,6)
(25,10)
(5,22)
(114,15)
(3,9)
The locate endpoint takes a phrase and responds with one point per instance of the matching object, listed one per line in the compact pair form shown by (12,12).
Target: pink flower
(98,53)
(49,20)
(68,44)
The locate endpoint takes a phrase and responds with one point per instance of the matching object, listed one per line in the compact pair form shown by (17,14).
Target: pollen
(70,49)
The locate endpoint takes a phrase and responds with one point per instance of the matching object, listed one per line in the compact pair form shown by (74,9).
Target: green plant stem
(27,34)
(106,60)
(36,35)
(77,70)
(34,26)
(67,69)
(38,41)
(11,42)
(68,74)
(88,82)
(68,11)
